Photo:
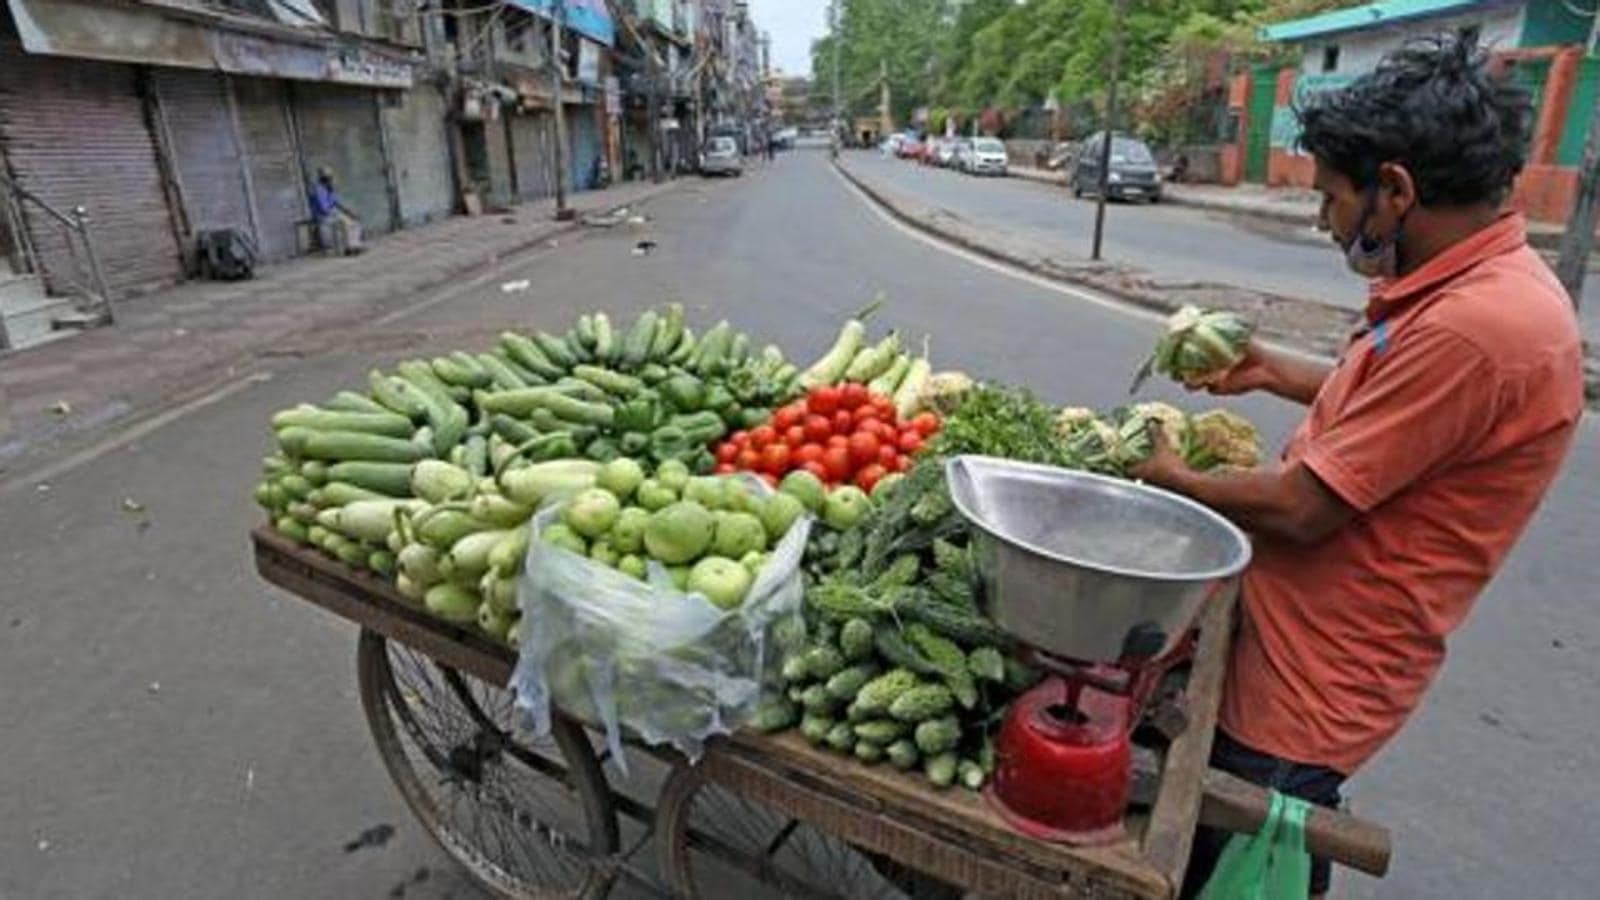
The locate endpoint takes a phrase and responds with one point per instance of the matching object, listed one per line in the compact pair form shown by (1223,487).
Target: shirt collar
(1506,234)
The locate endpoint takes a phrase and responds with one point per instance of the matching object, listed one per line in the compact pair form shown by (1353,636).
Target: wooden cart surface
(953,836)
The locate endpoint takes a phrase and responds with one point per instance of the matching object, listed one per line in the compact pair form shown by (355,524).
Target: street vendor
(1427,446)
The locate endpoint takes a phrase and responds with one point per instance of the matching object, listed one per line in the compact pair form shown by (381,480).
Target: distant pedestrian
(772,148)
(338,229)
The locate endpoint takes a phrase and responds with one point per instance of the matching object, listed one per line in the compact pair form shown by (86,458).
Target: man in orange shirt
(1427,446)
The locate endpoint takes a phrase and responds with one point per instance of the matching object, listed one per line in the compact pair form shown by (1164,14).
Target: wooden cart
(759,815)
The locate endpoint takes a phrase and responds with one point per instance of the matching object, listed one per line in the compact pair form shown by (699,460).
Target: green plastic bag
(1271,864)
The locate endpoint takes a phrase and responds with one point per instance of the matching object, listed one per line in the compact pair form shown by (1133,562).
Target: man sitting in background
(338,229)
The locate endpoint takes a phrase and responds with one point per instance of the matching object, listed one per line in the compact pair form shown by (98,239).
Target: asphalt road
(172,727)
(1169,240)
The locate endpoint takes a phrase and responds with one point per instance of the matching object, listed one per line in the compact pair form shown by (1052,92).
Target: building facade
(1547,46)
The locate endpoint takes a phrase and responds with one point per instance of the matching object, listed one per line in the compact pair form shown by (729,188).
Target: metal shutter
(73,132)
(586,146)
(421,154)
(197,124)
(497,149)
(339,129)
(532,145)
(275,175)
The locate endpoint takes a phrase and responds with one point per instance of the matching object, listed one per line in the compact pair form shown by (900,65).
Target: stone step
(23,294)
(31,317)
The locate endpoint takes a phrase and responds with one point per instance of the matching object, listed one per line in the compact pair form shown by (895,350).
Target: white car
(721,157)
(987,157)
(891,145)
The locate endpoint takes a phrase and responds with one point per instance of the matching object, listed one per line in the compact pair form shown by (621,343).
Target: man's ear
(1396,188)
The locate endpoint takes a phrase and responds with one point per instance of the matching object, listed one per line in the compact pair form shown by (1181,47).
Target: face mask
(1373,257)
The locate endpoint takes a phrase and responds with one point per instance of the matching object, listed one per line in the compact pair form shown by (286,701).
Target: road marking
(1018,273)
(129,435)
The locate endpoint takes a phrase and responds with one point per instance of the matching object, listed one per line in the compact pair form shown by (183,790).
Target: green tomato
(753,561)
(845,507)
(633,566)
(679,576)
(779,512)
(805,487)
(706,490)
(653,495)
(592,512)
(721,580)
(680,533)
(673,473)
(738,533)
(563,536)
(622,476)
(603,552)
(628,534)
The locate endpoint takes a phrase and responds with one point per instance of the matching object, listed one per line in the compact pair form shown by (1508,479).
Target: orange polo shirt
(1443,425)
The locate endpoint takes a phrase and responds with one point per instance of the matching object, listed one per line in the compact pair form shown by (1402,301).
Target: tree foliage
(976,54)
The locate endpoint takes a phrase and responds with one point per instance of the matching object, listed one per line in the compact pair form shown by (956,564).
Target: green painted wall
(1570,151)
(1546,22)
(1531,74)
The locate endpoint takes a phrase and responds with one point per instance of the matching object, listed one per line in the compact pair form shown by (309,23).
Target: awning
(589,18)
(166,36)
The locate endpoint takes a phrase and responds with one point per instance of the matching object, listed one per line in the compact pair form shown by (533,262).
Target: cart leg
(527,819)
(711,840)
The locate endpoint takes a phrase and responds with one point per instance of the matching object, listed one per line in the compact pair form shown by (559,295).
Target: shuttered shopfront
(584,125)
(196,117)
(415,123)
(267,135)
(338,128)
(533,148)
(74,132)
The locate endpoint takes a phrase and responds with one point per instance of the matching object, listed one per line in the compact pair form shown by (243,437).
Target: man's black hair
(1434,107)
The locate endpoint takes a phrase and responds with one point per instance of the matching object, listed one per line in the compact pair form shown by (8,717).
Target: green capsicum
(670,442)
(684,393)
(641,414)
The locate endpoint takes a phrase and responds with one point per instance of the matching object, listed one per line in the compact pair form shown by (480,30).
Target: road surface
(172,727)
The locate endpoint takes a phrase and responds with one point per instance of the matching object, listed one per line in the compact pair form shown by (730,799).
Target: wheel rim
(713,837)
(527,819)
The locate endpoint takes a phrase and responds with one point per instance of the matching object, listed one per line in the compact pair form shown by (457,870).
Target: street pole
(838,99)
(1578,240)
(559,14)
(1111,122)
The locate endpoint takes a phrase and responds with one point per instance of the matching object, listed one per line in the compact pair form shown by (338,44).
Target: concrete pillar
(1231,163)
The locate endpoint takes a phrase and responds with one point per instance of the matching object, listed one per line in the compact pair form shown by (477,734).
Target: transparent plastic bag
(665,666)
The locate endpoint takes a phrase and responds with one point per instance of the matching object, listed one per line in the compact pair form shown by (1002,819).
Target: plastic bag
(1271,864)
(669,667)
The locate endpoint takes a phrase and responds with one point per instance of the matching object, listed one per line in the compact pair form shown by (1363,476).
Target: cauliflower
(944,391)
(1198,344)
(1070,419)
(1222,437)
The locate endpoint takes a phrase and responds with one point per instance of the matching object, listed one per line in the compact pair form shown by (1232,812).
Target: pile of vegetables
(432,476)
(841,434)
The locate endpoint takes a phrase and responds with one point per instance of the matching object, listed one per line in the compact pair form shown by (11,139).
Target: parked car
(910,148)
(987,157)
(720,156)
(1133,174)
(891,144)
(944,153)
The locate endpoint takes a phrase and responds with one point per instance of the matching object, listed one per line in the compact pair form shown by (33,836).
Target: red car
(910,148)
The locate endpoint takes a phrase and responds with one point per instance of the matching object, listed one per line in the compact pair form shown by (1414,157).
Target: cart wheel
(528,819)
(712,840)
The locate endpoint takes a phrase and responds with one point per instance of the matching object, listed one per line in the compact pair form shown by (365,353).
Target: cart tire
(710,840)
(463,771)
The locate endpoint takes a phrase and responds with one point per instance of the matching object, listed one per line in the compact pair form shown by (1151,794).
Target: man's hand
(1164,467)
(1262,368)
(1250,373)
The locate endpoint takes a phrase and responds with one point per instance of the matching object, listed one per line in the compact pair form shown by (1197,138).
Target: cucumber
(555,350)
(501,376)
(926,701)
(774,714)
(636,346)
(680,354)
(453,371)
(614,383)
(526,353)
(291,529)
(935,736)
(585,331)
(846,683)
(815,728)
(384,423)
(667,333)
(529,378)
(355,445)
(389,479)
(868,752)
(605,342)
(902,754)
(339,493)
(879,731)
(397,395)
(350,401)
(314,471)
(941,769)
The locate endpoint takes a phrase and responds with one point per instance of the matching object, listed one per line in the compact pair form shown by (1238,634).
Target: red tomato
(823,400)
(775,459)
(887,454)
(864,412)
(748,460)
(794,435)
(762,436)
(770,479)
(727,452)
(837,462)
(863,448)
(902,463)
(818,428)
(725,469)
(910,440)
(868,478)
(837,440)
(852,395)
(926,423)
(817,468)
(842,422)
(878,429)
(786,417)
(885,408)
(740,439)
(806,453)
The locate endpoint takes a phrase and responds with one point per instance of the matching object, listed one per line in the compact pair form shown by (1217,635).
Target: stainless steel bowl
(1091,568)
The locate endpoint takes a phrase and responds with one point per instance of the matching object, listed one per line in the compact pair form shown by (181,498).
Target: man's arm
(1289,503)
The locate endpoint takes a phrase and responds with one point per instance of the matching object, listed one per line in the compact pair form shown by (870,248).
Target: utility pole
(838,42)
(1578,240)
(1111,122)
(558,16)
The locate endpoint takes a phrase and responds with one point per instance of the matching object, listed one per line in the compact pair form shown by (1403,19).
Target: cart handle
(1233,804)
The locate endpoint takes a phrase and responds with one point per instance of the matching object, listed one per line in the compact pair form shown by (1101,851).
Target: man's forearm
(1294,377)
(1289,504)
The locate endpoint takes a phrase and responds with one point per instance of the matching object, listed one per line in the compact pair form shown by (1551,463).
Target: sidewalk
(1297,206)
(172,344)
